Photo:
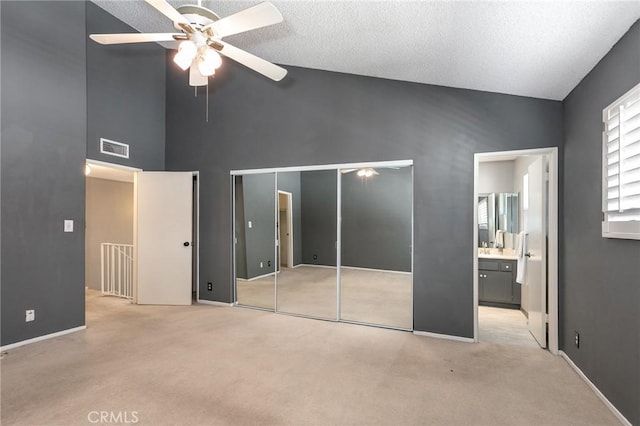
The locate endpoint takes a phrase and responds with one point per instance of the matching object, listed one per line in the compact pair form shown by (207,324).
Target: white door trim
(552,153)
(196,205)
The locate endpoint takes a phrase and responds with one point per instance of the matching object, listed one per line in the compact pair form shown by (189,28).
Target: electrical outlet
(577,339)
(209,286)
(261,265)
(269,263)
(30,315)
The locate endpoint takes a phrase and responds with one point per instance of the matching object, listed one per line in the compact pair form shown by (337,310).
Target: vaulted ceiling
(540,49)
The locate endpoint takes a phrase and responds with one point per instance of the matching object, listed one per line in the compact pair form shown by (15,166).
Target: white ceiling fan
(201,34)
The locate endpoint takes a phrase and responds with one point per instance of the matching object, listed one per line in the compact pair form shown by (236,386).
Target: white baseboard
(41,338)
(444,336)
(213,302)
(357,268)
(315,266)
(595,390)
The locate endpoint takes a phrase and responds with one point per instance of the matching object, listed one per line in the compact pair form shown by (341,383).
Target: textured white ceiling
(540,49)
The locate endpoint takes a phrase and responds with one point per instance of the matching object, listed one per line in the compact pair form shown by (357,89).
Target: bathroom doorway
(515,248)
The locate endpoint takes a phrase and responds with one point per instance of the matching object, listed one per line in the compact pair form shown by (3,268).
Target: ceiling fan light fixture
(208,61)
(367,172)
(186,52)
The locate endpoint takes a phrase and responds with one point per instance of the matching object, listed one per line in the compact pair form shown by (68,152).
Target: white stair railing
(116,261)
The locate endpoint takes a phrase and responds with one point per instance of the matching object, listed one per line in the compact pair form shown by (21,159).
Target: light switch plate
(250,224)
(68,225)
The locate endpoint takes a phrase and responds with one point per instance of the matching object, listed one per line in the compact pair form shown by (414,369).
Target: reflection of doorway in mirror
(285,229)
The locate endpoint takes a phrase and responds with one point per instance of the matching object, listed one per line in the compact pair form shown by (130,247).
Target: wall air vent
(114,148)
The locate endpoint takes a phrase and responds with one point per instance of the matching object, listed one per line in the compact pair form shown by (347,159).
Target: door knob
(186,243)
(528,254)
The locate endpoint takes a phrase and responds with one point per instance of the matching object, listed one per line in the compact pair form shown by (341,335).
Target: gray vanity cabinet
(497,283)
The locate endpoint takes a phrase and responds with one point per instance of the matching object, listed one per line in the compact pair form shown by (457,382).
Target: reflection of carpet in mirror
(368,296)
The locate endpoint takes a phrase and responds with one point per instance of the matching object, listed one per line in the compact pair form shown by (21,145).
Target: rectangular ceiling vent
(114,148)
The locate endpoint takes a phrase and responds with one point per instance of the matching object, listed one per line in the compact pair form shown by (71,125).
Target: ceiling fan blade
(167,10)
(258,16)
(257,64)
(133,37)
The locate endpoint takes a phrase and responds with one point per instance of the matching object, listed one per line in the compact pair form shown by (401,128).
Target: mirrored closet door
(254,229)
(376,237)
(327,242)
(306,281)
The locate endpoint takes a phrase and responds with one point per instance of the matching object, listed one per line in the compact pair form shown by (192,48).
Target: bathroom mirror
(496,212)
(255,254)
(507,212)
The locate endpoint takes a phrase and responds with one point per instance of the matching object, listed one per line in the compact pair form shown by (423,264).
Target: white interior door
(164,203)
(536,252)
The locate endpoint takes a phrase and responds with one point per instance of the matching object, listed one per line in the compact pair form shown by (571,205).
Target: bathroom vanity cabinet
(497,283)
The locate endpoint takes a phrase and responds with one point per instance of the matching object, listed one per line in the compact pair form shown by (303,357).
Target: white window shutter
(621,167)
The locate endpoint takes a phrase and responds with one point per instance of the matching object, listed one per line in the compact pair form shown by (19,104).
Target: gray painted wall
(319,225)
(290,182)
(376,220)
(43,153)
(259,209)
(125,95)
(109,219)
(495,176)
(600,283)
(319,117)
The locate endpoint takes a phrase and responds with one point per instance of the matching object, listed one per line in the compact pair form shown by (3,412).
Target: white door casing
(536,252)
(163,209)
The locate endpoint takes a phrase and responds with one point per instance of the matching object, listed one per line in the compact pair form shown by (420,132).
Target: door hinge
(603,217)
(604,127)
(546,318)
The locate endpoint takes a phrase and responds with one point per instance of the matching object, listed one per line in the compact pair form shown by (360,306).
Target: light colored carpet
(210,365)
(367,296)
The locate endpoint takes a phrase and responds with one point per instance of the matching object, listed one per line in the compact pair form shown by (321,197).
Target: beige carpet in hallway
(202,365)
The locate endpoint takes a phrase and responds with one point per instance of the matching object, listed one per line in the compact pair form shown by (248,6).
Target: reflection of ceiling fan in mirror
(365,172)
(201,34)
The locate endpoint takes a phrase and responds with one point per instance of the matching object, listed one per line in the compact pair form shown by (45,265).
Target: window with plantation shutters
(621,167)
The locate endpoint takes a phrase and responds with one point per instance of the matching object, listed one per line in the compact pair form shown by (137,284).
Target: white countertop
(497,256)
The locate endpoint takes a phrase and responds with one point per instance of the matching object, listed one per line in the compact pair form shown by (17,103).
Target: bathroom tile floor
(504,326)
